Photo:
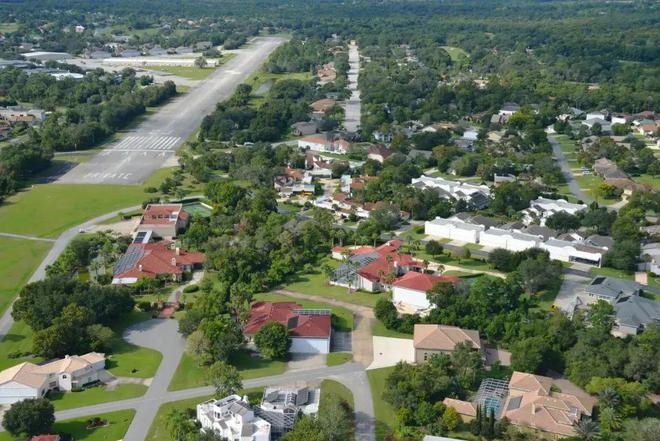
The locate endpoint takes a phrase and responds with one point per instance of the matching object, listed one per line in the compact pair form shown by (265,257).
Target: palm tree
(587,429)
(609,397)
(610,421)
(441,269)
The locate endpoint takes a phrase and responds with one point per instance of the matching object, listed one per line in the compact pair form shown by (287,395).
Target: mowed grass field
(46,210)
(18,260)
(117,425)
(49,209)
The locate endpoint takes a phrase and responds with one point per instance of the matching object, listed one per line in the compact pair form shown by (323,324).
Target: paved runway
(147,147)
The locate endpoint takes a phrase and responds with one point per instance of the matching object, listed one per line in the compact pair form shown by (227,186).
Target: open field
(95,395)
(158,429)
(192,73)
(19,258)
(46,210)
(456,53)
(6,27)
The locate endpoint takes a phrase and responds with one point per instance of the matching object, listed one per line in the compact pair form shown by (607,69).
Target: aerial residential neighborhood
(329,221)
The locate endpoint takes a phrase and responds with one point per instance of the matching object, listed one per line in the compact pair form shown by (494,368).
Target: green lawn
(48,209)
(651,180)
(95,395)
(455,53)
(188,374)
(118,423)
(17,340)
(128,360)
(316,284)
(380,330)
(122,359)
(158,429)
(611,272)
(192,72)
(385,416)
(19,260)
(6,27)
(342,319)
(337,358)
(338,389)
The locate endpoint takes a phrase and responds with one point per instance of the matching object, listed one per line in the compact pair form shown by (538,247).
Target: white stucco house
(232,418)
(29,380)
(509,240)
(566,251)
(409,291)
(475,195)
(542,208)
(454,229)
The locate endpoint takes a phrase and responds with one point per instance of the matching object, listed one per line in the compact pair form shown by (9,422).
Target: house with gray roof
(634,313)
(611,289)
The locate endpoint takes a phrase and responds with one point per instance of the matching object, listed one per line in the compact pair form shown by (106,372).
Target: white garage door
(310,345)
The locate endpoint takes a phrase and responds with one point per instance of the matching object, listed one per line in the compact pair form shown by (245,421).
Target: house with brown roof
(164,220)
(528,401)
(29,380)
(532,403)
(151,260)
(320,106)
(379,153)
(409,291)
(429,340)
(310,330)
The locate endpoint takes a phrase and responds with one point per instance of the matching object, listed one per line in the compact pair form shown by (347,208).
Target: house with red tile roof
(409,291)
(379,274)
(164,220)
(45,438)
(151,260)
(310,329)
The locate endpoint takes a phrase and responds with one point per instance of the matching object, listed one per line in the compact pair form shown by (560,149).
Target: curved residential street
(162,335)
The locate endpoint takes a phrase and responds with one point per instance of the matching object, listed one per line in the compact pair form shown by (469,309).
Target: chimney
(173,261)
(140,267)
(177,251)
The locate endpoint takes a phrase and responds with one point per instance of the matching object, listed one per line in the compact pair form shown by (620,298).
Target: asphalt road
(573,186)
(146,148)
(352,107)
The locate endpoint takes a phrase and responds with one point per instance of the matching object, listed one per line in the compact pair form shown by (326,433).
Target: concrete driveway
(389,351)
(572,285)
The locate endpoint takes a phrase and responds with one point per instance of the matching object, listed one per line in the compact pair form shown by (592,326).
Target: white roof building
(509,240)
(542,208)
(474,194)
(232,418)
(454,229)
(574,252)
